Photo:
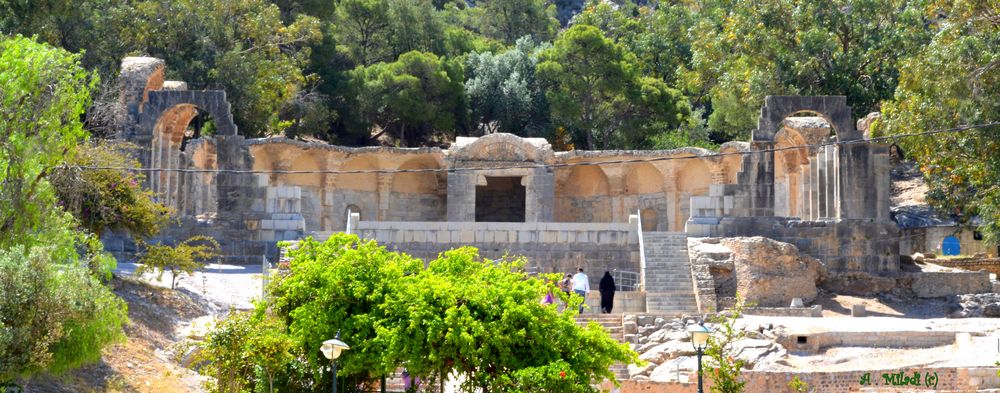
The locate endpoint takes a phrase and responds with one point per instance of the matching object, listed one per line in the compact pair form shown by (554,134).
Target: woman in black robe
(607,289)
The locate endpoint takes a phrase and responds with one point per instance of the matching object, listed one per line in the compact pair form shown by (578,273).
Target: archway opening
(804,170)
(177,144)
(502,199)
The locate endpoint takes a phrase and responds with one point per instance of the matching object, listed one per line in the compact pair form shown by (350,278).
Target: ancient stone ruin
(630,212)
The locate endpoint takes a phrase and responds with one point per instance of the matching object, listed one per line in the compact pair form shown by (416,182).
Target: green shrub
(184,258)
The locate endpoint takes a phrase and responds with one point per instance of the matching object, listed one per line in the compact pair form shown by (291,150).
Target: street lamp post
(332,349)
(699,339)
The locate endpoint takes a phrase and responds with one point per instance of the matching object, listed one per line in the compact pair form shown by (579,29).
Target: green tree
(418,96)
(954,81)
(183,258)
(509,20)
(42,97)
(460,313)
(363,26)
(745,50)
(55,316)
(594,88)
(504,94)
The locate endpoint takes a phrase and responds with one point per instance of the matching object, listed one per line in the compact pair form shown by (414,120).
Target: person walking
(607,288)
(581,285)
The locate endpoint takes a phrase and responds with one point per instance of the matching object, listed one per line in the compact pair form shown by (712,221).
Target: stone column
(540,198)
(821,184)
(718,173)
(805,192)
(462,196)
(670,194)
(831,181)
(331,214)
(384,190)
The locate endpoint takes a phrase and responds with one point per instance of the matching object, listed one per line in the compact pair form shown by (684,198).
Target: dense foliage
(955,80)
(55,313)
(109,198)
(459,314)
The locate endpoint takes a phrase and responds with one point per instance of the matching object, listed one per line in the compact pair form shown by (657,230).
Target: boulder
(770,273)
(634,370)
(669,371)
(666,351)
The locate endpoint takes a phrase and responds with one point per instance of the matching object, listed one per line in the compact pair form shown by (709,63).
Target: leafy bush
(184,258)
(107,199)
(54,317)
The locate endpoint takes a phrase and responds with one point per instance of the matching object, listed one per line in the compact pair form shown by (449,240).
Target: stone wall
(991,265)
(949,379)
(549,247)
(843,245)
(928,240)
(937,284)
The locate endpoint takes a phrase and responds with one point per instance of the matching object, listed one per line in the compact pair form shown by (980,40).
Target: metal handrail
(642,252)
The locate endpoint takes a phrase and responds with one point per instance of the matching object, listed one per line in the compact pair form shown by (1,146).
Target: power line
(541,165)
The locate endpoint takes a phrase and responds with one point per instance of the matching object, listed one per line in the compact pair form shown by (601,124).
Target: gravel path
(224,286)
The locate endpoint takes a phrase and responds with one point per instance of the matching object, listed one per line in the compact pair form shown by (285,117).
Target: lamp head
(332,348)
(699,335)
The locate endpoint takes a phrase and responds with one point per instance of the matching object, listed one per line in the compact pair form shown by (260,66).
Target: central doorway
(500,200)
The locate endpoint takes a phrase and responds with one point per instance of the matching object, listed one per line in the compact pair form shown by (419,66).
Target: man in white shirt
(581,285)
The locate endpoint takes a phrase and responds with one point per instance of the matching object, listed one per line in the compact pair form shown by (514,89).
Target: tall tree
(363,27)
(744,50)
(504,94)
(595,90)
(418,96)
(508,20)
(955,81)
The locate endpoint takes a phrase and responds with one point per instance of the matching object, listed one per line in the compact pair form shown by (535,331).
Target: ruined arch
(832,108)
(501,147)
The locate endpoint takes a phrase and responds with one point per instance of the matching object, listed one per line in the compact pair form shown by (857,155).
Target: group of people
(580,284)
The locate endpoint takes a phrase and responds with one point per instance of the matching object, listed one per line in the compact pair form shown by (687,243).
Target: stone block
(858,310)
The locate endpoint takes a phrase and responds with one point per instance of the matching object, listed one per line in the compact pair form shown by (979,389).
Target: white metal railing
(642,252)
(626,281)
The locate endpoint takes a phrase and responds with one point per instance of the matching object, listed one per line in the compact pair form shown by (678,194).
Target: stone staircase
(669,287)
(613,324)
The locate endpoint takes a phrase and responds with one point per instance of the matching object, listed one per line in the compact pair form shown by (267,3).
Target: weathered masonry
(602,210)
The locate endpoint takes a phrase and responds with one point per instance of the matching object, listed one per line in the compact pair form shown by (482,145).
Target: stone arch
(501,147)
(359,181)
(694,177)
(643,178)
(832,108)
(211,101)
(352,208)
(586,180)
(584,195)
(417,182)
(305,162)
(788,173)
